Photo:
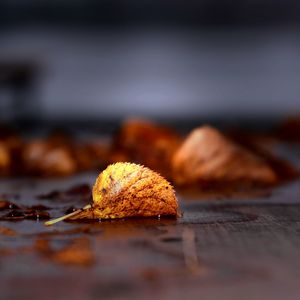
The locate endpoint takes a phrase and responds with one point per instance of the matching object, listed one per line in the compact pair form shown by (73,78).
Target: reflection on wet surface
(220,242)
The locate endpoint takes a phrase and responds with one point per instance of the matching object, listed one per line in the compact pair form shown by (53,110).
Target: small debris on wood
(37,215)
(14,215)
(4,205)
(31,214)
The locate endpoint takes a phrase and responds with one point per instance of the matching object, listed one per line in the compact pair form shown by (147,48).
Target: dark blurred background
(95,60)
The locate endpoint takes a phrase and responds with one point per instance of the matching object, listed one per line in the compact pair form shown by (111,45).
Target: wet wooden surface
(219,249)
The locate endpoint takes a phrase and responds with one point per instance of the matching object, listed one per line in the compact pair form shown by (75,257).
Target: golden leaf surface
(125,190)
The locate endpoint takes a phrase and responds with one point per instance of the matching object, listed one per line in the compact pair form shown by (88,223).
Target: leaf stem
(74,213)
